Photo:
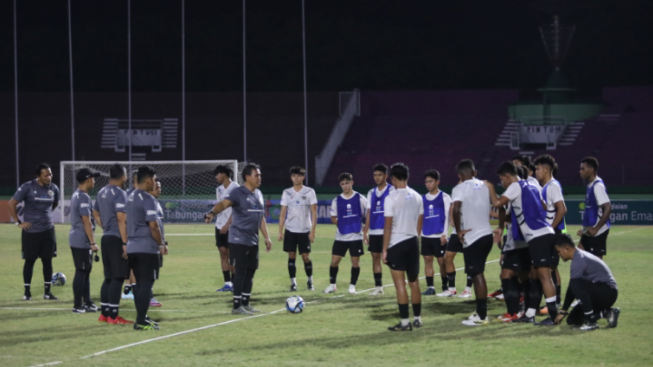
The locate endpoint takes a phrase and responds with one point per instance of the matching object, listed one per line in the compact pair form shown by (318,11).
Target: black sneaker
(613,317)
(588,326)
(417,323)
(525,320)
(79,310)
(429,292)
(50,296)
(145,327)
(27,296)
(400,327)
(91,307)
(293,287)
(150,321)
(545,322)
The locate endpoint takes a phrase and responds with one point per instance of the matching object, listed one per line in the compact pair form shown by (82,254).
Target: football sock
(452,279)
(526,286)
(308,268)
(403,314)
(104,297)
(333,274)
(535,294)
(227,276)
(417,309)
(511,296)
(481,308)
(293,281)
(445,281)
(429,282)
(552,307)
(292,270)
(28,269)
(249,282)
(517,284)
(470,281)
(144,290)
(128,288)
(558,294)
(47,270)
(355,272)
(27,289)
(87,288)
(112,311)
(105,310)
(46,286)
(378,279)
(245,299)
(237,301)
(78,287)
(114,293)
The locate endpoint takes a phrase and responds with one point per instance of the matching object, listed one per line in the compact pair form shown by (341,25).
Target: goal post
(188,187)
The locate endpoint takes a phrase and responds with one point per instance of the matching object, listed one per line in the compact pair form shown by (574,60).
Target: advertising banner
(624,212)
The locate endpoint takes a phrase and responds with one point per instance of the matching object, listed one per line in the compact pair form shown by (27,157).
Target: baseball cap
(85,173)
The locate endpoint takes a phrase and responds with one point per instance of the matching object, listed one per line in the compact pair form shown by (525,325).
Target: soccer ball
(295,304)
(58,279)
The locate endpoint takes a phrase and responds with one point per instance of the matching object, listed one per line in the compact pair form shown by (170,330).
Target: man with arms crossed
(596,219)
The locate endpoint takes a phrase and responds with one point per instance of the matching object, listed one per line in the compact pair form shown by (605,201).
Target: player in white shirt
(434,230)
(299,215)
(375,221)
(471,205)
(223,175)
(403,217)
(454,246)
(596,218)
(348,211)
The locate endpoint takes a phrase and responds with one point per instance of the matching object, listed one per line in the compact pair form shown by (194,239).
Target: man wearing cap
(81,240)
(38,240)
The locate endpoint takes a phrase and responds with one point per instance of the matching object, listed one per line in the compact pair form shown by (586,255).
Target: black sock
(452,279)
(104,297)
(237,301)
(78,287)
(481,308)
(292,270)
(511,296)
(113,311)
(516,284)
(429,282)
(378,279)
(227,276)
(333,274)
(87,289)
(526,287)
(28,269)
(355,272)
(308,268)
(417,309)
(144,290)
(536,294)
(553,309)
(403,311)
(245,299)
(128,288)
(46,287)
(558,294)
(47,270)
(114,295)
(134,290)
(470,281)
(445,281)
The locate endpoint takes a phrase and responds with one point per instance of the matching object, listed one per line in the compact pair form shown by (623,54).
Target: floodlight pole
(16,95)
(244,87)
(70,66)
(183,97)
(129,80)
(305,103)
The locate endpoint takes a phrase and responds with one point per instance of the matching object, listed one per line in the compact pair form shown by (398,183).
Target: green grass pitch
(346,331)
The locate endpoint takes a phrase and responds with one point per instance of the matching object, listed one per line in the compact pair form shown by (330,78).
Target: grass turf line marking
(388,285)
(191,331)
(68,309)
(48,364)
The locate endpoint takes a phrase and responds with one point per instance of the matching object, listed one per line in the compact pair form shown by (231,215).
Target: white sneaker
(330,289)
(446,293)
(500,297)
(465,294)
(474,320)
(474,316)
(352,289)
(378,291)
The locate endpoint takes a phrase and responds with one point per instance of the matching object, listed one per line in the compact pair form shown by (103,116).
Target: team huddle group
(391,220)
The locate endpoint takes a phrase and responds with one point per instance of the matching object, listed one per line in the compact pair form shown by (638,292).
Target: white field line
(48,364)
(69,309)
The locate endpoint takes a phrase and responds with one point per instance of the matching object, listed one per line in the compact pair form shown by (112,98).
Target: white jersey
(334,213)
(404,206)
(447,205)
(475,209)
(377,232)
(513,192)
(221,193)
(533,181)
(298,216)
(553,195)
(601,198)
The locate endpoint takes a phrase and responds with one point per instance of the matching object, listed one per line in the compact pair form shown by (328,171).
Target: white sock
(228,283)
(418,318)
(404,322)
(452,289)
(310,278)
(431,287)
(530,312)
(293,281)
(468,289)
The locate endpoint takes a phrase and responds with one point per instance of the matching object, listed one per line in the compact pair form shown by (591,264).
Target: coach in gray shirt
(248,217)
(592,283)
(81,240)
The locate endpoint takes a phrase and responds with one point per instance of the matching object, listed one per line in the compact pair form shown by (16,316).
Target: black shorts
(355,248)
(115,267)
(376,243)
(517,260)
(454,244)
(476,255)
(221,240)
(144,265)
(243,255)
(596,245)
(82,258)
(404,256)
(40,244)
(541,249)
(293,241)
(433,247)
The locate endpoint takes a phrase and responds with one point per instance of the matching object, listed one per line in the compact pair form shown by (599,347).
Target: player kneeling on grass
(592,283)
(403,217)
(347,213)
(435,227)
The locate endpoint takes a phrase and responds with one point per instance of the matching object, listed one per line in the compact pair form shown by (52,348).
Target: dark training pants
(594,297)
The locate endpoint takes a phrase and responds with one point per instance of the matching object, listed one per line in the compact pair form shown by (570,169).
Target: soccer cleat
(50,296)
(475,320)
(293,287)
(145,327)
(613,317)
(525,320)
(465,294)
(447,293)
(154,303)
(150,321)
(506,317)
(587,326)
(495,293)
(499,297)
(330,289)
(545,322)
(27,297)
(241,311)
(417,323)
(429,292)
(309,285)
(251,309)
(226,288)
(129,295)
(91,307)
(378,291)
(352,289)
(400,327)
(119,321)
(79,310)
(102,318)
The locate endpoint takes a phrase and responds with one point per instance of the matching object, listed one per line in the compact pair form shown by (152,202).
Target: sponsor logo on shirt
(50,192)
(151,212)
(84,205)
(120,205)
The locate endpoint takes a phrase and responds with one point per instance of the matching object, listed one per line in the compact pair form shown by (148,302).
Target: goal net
(187,187)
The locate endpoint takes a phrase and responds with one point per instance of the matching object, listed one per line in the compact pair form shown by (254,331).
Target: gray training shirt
(586,266)
(248,211)
(159,218)
(80,206)
(38,204)
(141,209)
(109,201)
